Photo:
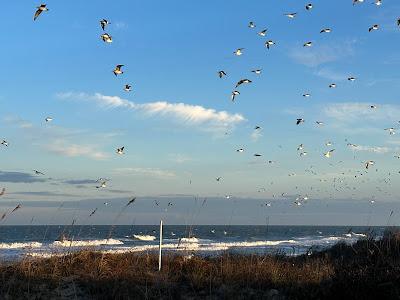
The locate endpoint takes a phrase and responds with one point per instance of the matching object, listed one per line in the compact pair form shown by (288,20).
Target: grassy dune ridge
(368,269)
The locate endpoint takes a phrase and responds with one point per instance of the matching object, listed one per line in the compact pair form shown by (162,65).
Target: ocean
(20,241)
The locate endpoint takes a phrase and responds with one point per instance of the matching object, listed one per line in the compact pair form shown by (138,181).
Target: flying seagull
(319,123)
(263,32)
(329,153)
(103,184)
(38,172)
(398,22)
(369,163)
(257,127)
(93,212)
(240,82)
(104,23)
(252,25)
(373,27)
(378,2)
(39,10)
(332,85)
(106,38)
(120,150)
(300,147)
(48,119)
(257,71)
(257,155)
(131,201)
(221,74)
(326,30)
(391,130)
(4,143)
(234,94)
(308,44)
(218,178)
(351,79)
(3,190)
(117,70)
(357,1)
(16,208)
(269,43)
(306,95)
(309,6)
(291,15)
(128,88)
(240,150)
(299,121)
(373,106)
(238,51)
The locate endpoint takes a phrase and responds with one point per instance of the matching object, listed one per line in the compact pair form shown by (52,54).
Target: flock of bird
(339,183)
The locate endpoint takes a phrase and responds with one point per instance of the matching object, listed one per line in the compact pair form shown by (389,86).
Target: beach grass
(368,269)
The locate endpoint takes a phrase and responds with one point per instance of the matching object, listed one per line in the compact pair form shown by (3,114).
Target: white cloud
(356,111)
(256,135)
(320,54)
(331,74)
(374,149)
(150,172)
(179,158)
(74,150)
(186,113)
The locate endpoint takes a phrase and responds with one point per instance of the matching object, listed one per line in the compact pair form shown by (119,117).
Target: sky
(179,128)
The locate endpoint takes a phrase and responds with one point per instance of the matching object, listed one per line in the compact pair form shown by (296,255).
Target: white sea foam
(20,245)
(144,237)
(88,243)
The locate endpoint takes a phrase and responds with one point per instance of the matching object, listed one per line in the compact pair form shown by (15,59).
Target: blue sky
(179,128)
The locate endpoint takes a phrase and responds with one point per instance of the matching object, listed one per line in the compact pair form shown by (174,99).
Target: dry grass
(367,270)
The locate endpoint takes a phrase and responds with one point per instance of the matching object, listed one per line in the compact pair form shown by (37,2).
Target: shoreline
(367,269)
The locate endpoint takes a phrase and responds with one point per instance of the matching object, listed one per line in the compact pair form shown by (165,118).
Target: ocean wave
(86,243)
(20,245)
(144,237)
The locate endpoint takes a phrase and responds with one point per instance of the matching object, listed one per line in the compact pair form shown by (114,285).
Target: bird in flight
(16,208)
(3,191)
(4,143)
(309,6)
(103,184)
(240,82)
(106,37)
(378,2)
(257,71)
(291,15)
(269,43)
(48,119)
(221,73)
(329,153)
(306,95)
(299,121)
(38,172)
(93,212)
(241,150)
(369,163)
(234,94)
(308,44)
(252,25)
(391,130)
(351,78)
(398,22)
(357,1)
(131,201)
(373,27)
(104,23)
(263,32)
(117,70)
(120,150)
(319,123)
(238,51)
(332,85)
(218,178)
(39,10)
(127,88)
(326,30)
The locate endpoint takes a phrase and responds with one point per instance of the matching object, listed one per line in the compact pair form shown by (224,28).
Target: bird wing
(37,13)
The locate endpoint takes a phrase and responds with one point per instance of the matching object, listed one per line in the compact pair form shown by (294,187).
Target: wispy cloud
(330,74)
(322,53)
(150,172)
(179,158)
(355,111)
(208,118)
(74,150)
(374,149)
(256,135)
(19,177)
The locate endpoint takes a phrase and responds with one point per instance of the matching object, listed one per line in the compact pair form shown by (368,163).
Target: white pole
(159,253)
